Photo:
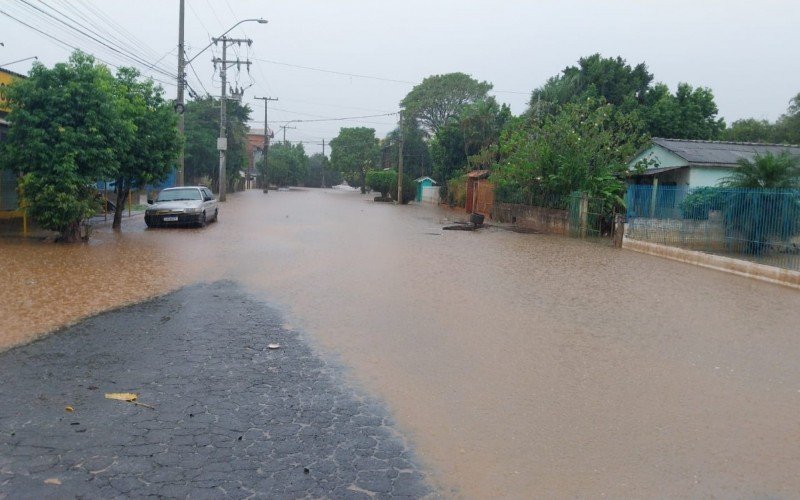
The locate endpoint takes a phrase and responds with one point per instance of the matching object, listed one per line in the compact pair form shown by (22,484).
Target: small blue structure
(422,183)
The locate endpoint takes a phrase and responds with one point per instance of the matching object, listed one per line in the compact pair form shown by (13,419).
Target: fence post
(619,230)
(653,196)
(584,214)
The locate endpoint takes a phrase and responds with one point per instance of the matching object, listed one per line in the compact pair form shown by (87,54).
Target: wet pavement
(230,417)
(516,365)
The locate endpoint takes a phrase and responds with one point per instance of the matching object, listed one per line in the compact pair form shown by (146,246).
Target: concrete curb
(744,268)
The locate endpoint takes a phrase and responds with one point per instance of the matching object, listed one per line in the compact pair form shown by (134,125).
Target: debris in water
(69,409)
(52,480)
(462,226)
(274,346)
(127,397)
(122,396)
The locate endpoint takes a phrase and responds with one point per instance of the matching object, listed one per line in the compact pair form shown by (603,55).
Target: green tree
(149,157)
(584,147)
(288,164)
(767,171)
(416,154)
(750,130)
(787,128)
(766,205)
(440,97)
(613,79)
(690,113)
(469,140)
(319,169)
(381,181)
(69,127)
(354,152)
(202,130)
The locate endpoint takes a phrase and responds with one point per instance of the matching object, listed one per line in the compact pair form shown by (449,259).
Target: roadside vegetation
(77,123)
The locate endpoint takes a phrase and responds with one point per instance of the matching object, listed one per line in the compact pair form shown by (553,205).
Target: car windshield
(179,194)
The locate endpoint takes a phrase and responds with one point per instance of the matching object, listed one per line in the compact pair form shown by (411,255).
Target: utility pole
(323,163)
(284,127)
(400,164)
(180,105)
(222,141)
(266,138)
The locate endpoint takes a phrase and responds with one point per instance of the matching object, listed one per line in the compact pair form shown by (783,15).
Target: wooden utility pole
(284,127)
(179,104)
(400,164)
(266,139)
(323,163)
(222,141)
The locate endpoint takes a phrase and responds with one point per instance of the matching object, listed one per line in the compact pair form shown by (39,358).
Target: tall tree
(202,130)
(354,152)
(416,154)
(584,147)
(440,97)
(288,164)
(750,130)
(149,157)
(613,79)
(690,113)
(319,168)
(787,128)
(69,127)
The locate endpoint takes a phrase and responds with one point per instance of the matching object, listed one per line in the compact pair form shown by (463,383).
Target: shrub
(454,192)
(382,181)
(697,204)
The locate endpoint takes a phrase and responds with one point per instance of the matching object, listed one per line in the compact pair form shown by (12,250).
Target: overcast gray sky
(745,51)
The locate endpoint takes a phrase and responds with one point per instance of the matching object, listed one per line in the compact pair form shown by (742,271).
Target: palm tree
(766,171)
(764,205)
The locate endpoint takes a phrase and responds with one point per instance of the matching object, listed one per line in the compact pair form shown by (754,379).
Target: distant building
(255,150)
(685,163)
(427,190)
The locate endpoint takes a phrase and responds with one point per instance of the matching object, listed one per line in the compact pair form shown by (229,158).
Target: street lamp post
(182,63)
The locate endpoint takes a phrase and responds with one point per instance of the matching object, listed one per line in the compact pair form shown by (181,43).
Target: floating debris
(274,346)
(69,409)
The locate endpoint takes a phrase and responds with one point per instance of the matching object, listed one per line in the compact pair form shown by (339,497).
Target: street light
(180,105)
(259,21)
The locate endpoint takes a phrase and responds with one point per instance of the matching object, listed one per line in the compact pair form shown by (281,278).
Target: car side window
(209,196)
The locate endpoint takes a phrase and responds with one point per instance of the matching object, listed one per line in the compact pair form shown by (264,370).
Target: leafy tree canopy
(583,147)
(766,171)
(440,97)
(354,152)
(288,164)
(690,113)
(71,127)
(151,155)
(202,130)
(613,79)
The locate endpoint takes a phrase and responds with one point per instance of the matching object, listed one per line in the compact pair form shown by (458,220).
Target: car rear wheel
(201,222)
(216,215)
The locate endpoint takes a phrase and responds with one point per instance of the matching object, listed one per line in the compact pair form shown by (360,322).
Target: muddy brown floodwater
(520,365)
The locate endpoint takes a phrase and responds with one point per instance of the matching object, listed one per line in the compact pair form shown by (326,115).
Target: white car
(182,206)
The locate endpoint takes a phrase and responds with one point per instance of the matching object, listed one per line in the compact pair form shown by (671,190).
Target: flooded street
(519,365)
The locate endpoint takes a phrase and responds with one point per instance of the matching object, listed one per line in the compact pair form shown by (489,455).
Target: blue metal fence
(762,225)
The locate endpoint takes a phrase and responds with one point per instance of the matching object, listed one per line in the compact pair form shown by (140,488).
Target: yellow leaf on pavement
(52,480)
(122,396)
(69,409)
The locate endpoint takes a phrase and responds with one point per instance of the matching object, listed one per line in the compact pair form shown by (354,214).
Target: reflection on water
(520,364)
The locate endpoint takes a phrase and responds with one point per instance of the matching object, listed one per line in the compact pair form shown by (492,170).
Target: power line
(342,73)
(71,46)
(128,49)
(130,56)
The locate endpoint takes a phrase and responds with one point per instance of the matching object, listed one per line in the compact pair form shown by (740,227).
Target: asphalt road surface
(230,416)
